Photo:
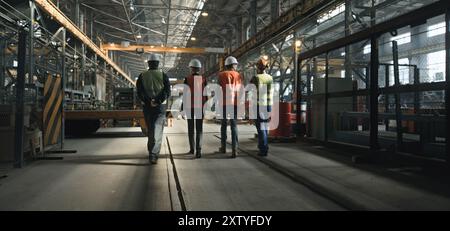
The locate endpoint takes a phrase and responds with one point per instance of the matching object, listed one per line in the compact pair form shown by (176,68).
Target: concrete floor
(114,174)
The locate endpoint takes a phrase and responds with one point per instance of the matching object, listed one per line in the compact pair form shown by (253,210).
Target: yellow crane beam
(62,19)
(158,49)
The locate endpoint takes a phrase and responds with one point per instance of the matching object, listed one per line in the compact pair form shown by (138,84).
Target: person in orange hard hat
(193,106)
(230,81)
(263,83)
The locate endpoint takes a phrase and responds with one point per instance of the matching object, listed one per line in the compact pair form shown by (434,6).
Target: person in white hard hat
(230,80)
(193,102)
(153,89)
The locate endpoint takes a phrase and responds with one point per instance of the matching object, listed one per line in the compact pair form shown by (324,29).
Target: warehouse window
(402,39)
(367,49)
(331,13)
(403,72)
(436,66)
(436,29)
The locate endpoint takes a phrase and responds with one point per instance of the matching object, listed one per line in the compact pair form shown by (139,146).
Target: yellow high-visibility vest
(265,81)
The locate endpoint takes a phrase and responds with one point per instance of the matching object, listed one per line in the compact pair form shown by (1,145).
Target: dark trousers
(233,126)
(198,124)
(155,117)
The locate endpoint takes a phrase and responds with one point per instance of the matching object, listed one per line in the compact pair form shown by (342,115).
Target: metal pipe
(20,104)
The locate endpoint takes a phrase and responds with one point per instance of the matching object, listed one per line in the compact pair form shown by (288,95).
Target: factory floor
(110,171)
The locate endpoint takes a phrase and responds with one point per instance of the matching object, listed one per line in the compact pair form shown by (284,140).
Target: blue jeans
(263,144)
(234,130)
(155,117)
(262,127)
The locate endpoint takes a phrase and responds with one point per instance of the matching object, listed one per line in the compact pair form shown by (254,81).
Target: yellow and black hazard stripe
(53,97)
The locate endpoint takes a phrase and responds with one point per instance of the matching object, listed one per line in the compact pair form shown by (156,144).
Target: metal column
(297,84)
(2,62)
(31,44)
(253,26)
(275,9)
(327,70)
(398,109)
(373,93)
(82,27)
(447,77)
(63,85)
(20,101)
(348,19)
(298,90)
(239,31)
(308,103)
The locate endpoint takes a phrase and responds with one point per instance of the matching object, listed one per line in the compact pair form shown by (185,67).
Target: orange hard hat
(263,62)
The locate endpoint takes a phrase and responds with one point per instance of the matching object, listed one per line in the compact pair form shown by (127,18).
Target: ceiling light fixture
(205,14)
(193,38)
(138,36)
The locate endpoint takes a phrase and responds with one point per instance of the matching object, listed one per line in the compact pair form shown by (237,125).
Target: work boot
(234,153)
(153,160)
(222,150)
(198,154)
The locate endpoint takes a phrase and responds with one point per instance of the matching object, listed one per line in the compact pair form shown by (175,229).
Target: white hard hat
(231,60)
(195,63)
(154,57)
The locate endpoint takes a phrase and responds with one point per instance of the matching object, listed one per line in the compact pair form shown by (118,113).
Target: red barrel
(284,128)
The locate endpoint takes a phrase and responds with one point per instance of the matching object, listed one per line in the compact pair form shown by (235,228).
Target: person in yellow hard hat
(263,83)
(153,89)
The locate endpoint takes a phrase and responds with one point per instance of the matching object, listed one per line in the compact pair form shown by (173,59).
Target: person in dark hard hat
(193,106)
(153,88)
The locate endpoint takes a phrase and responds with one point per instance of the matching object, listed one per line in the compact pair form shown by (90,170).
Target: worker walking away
(153,88)
(193,101)
(230,81)
(263,83)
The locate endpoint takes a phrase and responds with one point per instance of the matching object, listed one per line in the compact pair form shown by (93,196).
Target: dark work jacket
(160,98)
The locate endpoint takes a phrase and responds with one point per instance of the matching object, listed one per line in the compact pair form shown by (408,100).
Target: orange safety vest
(197,84)
(230,81)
